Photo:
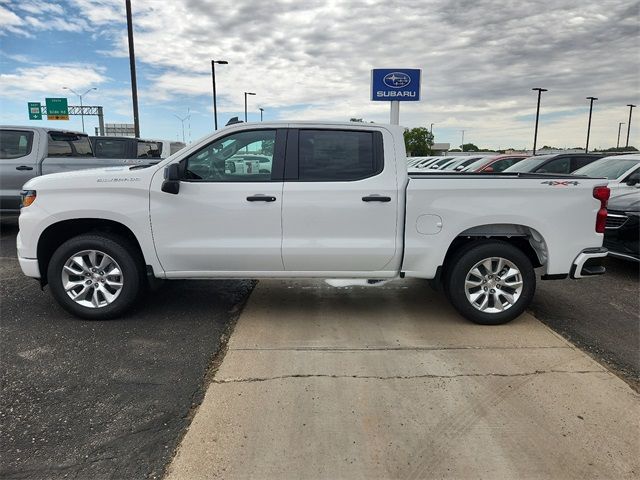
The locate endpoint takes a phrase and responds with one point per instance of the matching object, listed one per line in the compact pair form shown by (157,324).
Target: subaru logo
(396,80)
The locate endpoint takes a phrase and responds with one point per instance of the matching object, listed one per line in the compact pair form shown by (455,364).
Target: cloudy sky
(311,59)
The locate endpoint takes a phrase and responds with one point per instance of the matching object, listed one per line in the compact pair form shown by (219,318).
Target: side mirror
(633,179)
(171,182)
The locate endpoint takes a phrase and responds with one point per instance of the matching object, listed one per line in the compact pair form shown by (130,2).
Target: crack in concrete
(397,377)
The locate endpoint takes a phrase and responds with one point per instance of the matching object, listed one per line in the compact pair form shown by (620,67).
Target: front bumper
(29,267)
(589,263)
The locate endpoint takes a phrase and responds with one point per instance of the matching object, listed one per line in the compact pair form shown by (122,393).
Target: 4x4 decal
(560,183)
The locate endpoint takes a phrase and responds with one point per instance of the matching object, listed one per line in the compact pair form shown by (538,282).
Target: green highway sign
(35,111)
(57,109)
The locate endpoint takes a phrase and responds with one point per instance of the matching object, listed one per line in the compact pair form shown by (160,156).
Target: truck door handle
(376,198)
(24,167)
(261,198)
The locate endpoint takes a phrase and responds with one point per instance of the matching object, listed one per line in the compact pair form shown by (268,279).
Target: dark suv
(556,163)
(622,234)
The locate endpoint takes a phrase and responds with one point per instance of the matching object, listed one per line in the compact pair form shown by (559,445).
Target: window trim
(277,164)
(30,138)
(292,159)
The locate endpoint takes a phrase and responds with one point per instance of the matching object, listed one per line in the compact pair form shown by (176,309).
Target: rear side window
(149,149)
(580,162)
(504,163)
(110,148)
(15,143)
(336,155)
(63,144)
(557,165)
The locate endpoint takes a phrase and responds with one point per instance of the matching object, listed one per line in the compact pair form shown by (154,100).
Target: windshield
(610,168)
(529,164)
(477,164)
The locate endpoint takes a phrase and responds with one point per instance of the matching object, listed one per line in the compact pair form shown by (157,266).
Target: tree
(470,147)
(418,141)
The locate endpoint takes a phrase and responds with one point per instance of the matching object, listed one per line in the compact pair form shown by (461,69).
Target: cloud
(312,59)
(49,79)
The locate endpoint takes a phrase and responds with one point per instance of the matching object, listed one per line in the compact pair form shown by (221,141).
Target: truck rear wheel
(491,282)
(95,276)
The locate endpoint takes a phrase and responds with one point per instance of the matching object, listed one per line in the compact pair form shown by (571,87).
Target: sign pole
(395,113)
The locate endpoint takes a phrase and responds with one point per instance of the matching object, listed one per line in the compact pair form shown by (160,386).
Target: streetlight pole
(132,67)
(261,110)
(245,104)
(535,134)
(591,99)
(213,79)
(462,144)
(81,109)
(629,124)
(431,129)
(619,127)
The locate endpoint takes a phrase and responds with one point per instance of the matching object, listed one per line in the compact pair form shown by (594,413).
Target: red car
(496,163)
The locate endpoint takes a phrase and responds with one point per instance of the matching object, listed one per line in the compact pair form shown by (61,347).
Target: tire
(108,300)
(499,299)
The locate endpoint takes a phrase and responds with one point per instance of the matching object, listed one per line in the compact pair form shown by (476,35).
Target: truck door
(340,202)
(18,163)
(226,217)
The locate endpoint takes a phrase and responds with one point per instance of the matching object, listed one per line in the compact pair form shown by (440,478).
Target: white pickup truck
(336,201)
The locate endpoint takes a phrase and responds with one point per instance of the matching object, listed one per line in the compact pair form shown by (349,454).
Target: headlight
(27,197)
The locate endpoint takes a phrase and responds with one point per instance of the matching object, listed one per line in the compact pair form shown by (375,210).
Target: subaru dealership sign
(395,84)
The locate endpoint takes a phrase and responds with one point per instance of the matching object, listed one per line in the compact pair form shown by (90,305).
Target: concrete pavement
(389,382)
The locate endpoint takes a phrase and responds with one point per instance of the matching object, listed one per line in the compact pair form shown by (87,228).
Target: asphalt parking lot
(112,399)
(103,399)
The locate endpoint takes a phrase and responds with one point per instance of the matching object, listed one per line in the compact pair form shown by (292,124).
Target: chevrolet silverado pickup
(335,202)
(27,152)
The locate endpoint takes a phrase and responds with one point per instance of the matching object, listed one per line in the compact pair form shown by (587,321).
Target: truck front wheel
(491,282)
(95,276)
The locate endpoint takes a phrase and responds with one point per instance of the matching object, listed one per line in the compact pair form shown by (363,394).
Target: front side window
(334,155)
(62,144)
(504,163)
(15,143)
(240,157)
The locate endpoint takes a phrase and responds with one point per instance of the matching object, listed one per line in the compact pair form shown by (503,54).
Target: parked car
(338,203)
(621,236)
(556,163)
(621,170)
(494,163)
(26,152)
(458,164)
(423,162)
(130,147)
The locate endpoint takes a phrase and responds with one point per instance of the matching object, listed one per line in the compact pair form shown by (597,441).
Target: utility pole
(535,134)
(619,127)
(213,79)
(132,66)
(462,144)
(261,110)
(629,124)
(182,120)
(591,99)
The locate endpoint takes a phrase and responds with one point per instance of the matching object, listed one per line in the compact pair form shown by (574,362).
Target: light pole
(132,68)
(591,99)
(462,144)
(261,110)
(81,109)
(619,127)
(535,134)
(213,79)
(431,129)
(245,104)
(629,124)
(182,120)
